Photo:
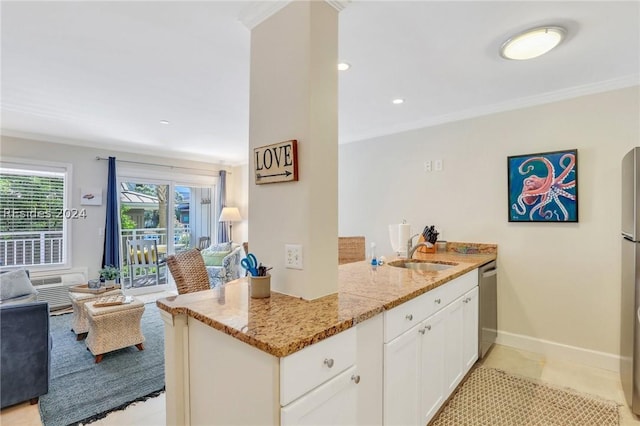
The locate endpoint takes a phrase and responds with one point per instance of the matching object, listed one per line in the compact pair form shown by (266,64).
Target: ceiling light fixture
(532,43)
(164,121)
(398,101)
(343,66)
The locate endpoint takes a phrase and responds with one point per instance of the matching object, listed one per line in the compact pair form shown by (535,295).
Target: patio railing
(159,234)
(46,247)
(31,248)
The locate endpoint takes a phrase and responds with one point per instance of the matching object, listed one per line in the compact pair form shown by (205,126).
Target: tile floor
(582,378)
(603,383)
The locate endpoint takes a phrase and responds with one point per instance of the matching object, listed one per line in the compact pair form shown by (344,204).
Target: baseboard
(560,351)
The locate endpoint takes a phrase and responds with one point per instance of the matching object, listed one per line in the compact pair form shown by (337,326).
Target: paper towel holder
(398,234)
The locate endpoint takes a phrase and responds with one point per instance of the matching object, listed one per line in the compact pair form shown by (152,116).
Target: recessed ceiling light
(532,43)
(164,121)
(398,101)
(343,66)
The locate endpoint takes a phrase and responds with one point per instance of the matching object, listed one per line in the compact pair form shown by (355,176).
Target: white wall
(557,282)
(238,196)
(86,244)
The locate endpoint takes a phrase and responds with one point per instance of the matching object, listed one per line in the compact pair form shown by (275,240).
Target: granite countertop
(281,325)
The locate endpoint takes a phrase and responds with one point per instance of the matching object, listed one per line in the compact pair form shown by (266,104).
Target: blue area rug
(81,391)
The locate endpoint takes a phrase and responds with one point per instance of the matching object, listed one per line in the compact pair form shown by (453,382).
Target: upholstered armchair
(229,267)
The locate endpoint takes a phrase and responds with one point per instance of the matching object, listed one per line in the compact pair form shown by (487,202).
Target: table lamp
(230,214)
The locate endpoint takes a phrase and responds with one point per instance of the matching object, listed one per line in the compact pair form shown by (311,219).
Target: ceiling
(104,74)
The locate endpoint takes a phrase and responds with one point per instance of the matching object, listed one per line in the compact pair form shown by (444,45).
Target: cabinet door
(453,338)
(470,333)
(401,379)
(432,361)
(333,403)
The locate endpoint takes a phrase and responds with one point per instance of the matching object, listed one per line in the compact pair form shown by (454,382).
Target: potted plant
(109,273)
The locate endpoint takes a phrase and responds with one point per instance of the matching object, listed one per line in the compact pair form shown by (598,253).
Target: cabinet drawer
(304,370)
(462,284)
(333,403)
(403,317)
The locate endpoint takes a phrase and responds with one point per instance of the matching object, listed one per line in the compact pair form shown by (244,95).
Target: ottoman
(79,324)
(114,327)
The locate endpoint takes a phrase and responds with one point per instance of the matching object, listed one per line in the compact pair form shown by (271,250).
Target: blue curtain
(111,253)
(221,201)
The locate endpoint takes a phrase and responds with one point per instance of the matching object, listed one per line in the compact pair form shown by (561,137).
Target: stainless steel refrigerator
(630,301)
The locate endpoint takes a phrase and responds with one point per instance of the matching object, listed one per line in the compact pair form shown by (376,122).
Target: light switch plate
(293,256)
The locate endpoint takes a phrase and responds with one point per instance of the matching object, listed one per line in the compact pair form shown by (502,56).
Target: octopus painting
(543,187)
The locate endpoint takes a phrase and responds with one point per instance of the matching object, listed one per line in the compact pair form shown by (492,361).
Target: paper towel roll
(404,233)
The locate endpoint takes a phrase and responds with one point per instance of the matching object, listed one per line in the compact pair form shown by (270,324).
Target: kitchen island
(231,359)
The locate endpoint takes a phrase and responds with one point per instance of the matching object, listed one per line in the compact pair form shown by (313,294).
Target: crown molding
(257,12)
(122,146)
(338,5)
(511,105)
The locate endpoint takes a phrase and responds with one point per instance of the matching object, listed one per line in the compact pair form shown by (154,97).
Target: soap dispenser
(374,258)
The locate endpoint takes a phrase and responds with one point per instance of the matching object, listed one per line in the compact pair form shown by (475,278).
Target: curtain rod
(162,165)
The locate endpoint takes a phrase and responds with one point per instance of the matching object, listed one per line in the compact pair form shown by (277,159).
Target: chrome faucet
(411,249)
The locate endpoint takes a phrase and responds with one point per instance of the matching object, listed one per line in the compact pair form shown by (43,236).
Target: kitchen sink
(421,265)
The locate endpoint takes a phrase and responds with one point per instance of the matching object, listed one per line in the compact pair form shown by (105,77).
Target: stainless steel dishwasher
(488,304)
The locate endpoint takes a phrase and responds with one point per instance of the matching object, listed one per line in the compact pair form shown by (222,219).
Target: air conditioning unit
(53,287)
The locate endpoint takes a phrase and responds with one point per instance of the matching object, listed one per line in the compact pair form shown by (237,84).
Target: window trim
(29,164)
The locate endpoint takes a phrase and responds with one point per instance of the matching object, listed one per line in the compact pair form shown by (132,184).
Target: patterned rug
(81,391)
(494,398)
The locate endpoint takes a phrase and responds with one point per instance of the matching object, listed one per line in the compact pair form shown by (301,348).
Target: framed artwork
(91,196)
(543,187)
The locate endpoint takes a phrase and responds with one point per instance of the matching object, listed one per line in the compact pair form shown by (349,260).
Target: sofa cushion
(15,284)
(25,350)
(219,247)
(213,258)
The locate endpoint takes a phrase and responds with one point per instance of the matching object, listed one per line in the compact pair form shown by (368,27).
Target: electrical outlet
(438,165)
(293,256)
(427,166)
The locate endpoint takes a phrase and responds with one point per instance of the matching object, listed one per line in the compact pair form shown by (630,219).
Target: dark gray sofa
(25,350)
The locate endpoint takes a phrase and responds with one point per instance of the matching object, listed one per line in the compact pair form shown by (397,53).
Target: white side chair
(144,260)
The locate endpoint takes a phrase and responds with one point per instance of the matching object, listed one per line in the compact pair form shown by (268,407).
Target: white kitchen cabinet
(402,378)
(332,403)
(425,364)
(470,333)
(453,342)
(308,368)
(370,359)
(431,371)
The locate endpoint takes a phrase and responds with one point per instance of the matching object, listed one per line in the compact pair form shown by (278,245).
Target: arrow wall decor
(276,163)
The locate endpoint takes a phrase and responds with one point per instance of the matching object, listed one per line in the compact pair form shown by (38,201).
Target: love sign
(276,163)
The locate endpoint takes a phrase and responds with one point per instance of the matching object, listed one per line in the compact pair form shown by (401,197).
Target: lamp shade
(230,214)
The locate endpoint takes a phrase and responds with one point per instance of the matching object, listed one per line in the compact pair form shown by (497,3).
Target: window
(34,211)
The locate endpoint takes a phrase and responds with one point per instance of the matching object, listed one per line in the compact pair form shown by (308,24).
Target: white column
(294,95)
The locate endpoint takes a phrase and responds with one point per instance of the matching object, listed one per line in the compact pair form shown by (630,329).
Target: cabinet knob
(465,300)
(428,327)
(409,317)
(422,330)
(328,362)
(438,301)
(356,378)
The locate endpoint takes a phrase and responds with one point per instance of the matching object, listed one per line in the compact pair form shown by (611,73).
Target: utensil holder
(260,287)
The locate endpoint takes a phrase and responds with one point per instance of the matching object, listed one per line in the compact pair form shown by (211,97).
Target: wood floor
(603,383)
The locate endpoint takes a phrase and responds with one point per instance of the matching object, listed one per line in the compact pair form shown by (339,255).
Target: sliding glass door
(194,216)
(144,216)
(159,218)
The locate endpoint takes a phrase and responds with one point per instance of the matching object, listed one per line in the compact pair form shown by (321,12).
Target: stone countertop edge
(283,324)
